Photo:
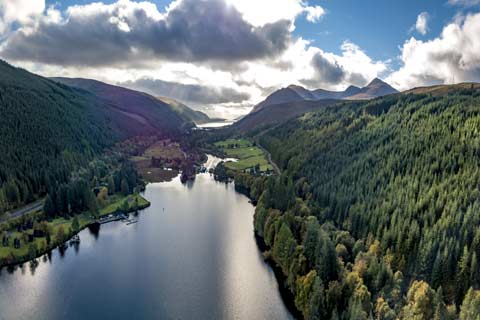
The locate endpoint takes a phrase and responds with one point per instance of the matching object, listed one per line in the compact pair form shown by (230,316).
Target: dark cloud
(326,71)
(187,93)
(193,31)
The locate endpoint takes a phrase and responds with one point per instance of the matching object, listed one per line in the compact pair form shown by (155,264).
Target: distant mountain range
(293,93)
(293,101)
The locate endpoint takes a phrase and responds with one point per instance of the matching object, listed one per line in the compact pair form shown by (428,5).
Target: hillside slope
(378,201)
(185,112)
(274,114)
(154,114)
(48,129)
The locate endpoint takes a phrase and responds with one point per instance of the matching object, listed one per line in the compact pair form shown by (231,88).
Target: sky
(225,56)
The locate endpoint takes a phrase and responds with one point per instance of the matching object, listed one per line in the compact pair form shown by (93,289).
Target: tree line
(376,213)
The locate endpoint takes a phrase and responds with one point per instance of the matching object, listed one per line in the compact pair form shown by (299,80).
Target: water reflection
(94,230)
(192,255)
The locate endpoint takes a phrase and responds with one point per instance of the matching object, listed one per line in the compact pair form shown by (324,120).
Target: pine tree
(124,187)
(111,185)
(49,207)
(463,276)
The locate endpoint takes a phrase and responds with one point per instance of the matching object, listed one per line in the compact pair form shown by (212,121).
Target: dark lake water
(192,255)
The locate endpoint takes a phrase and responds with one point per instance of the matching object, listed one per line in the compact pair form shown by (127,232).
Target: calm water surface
(192,255)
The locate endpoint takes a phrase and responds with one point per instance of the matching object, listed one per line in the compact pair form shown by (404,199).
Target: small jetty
(111,217)
(75,239)
(116,217)
(132,221)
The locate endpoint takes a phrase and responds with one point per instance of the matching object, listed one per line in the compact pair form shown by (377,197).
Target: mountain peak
(376,82)
(295,87)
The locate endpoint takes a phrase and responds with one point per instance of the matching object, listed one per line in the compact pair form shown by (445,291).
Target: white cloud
(451,57)
(464,3)
(261,12)
(422,23)
(314,13)
(20,11)
(128,32)
(125,42)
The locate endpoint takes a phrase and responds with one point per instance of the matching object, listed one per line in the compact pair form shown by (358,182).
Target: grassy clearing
(164,150)
(118,203)
(248,155)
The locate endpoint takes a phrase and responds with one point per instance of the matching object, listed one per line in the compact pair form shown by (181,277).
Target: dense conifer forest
(376,213)
(49,130)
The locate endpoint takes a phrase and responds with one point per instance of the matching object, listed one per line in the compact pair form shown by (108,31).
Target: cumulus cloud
(191,30)
(314,13)
(451,57)
(259,13)
(352,67)
(223,56)
(422,23)
(328,71)
(20,11)
(188,93)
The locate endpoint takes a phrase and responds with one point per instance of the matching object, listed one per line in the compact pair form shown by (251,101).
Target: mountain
(47,129)
(376,88)
(152,113)
(290,94)
(381,195)
(185,112)
(278,113)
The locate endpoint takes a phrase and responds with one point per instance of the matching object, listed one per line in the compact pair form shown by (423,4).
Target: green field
(248,155)
(118,203)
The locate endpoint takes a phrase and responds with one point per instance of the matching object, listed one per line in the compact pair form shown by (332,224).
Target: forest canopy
(375,196)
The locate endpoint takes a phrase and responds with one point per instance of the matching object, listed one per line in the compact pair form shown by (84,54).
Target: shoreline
(287,296)
(54,245)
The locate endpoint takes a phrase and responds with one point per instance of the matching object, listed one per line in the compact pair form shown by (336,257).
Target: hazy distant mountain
(185,112)
(293,93)
(293,101)
(376,88)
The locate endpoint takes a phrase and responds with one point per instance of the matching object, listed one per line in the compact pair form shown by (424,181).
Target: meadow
(248,155)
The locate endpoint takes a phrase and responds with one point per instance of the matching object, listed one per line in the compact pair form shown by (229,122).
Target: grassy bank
(153,163)
(248,154)
(58,230)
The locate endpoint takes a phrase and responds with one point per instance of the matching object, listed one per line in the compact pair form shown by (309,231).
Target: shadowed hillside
(48,129)
(152,113)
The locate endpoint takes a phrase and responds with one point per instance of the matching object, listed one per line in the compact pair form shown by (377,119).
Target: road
(269,158)
(29,208)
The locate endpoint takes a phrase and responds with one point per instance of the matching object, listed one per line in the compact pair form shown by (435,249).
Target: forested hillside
(47,130)
(377,211)
(152,113)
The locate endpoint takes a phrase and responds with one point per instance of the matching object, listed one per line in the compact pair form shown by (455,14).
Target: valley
(239,160)
(362,206)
